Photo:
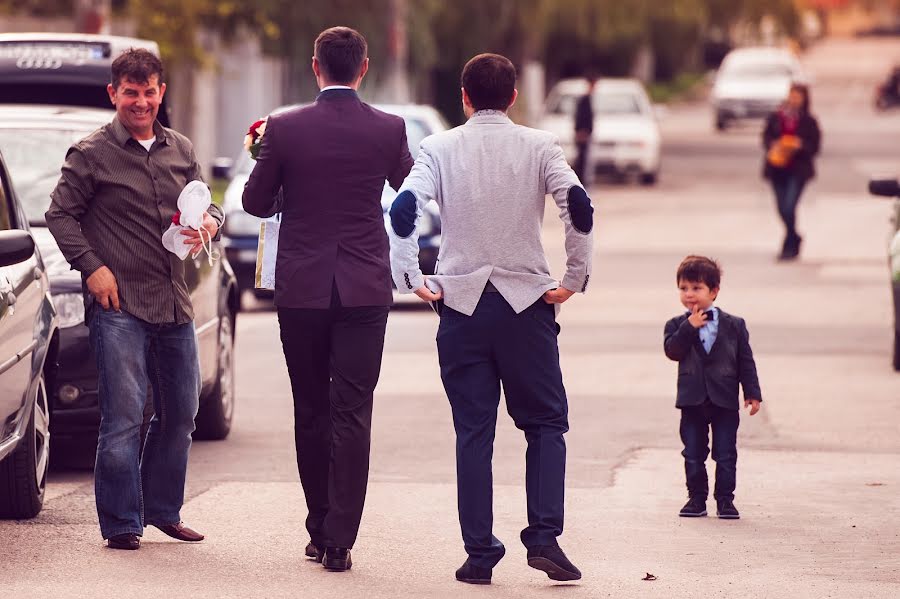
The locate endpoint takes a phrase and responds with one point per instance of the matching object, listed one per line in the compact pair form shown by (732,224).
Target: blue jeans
(479,353)
(696,422)
(787,189)
(132,355)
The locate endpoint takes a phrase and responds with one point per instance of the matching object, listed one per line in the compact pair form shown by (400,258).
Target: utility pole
(396,81)
(92,16)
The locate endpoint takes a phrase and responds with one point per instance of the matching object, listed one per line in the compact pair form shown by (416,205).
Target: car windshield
(34,158)
(758,71)
(604,103)
(416,131)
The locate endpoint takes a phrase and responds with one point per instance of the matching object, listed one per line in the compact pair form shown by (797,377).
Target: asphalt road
(819,472)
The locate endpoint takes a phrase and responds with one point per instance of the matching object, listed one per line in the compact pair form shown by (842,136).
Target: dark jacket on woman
(801,163)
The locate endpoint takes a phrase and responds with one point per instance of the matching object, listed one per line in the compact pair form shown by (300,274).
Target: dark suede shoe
(314,552)
(725,509)
(694,508)
(473,574)
(337,559)
(181,532)
(128,541)
(552,560)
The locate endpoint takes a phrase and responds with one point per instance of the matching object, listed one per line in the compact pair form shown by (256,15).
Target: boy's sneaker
(694,508)
(725,509)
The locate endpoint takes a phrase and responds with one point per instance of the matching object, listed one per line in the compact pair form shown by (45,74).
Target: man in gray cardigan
(497,303)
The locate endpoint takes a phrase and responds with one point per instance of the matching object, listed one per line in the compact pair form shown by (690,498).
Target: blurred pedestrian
(497,303)
(713,352)
(324,166)
(584,129)
(791,139)
(118,192)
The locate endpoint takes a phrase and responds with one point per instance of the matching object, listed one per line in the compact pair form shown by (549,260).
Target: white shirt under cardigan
(490,178)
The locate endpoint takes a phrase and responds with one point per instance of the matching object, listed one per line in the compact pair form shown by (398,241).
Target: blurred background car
(34,139)
(240,235)
(626,138)
(753,82)
(891,188)
(28,351)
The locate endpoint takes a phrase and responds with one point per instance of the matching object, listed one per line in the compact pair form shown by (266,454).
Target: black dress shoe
(128,541)
(473,574)
(181,532)
(694,508)
(725,509)
(552,560)
(337,559)
(314,552)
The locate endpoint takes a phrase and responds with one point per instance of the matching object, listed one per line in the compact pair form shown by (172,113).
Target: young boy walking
(713,352)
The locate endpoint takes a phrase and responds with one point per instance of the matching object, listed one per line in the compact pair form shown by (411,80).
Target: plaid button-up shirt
(110,208)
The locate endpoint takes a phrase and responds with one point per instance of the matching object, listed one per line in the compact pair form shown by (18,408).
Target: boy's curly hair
(699,269)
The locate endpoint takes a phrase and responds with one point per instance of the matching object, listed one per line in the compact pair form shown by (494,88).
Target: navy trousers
(479,353)
(696,422)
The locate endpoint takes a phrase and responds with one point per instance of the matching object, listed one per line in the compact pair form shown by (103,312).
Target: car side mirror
(15,246)
(221,168)
(884,187)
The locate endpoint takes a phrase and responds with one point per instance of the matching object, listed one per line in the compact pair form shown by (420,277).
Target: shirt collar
(121,134)
(328,87)
(489,116)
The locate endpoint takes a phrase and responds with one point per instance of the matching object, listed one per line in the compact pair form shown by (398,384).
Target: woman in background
(791,140)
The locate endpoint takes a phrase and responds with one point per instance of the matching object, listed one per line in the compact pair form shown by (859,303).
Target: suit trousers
(479,353)
(333,357)
(696,422)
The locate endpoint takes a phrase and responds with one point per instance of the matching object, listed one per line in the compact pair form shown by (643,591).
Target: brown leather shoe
(181,532)
(128,541)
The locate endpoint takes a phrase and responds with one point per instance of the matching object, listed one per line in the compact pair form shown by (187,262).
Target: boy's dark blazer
(715,375)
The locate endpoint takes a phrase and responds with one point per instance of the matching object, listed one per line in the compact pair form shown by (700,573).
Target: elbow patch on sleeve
(580,210)
(403,214)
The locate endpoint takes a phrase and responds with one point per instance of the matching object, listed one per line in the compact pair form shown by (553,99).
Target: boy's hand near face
(697,317)
(753,404)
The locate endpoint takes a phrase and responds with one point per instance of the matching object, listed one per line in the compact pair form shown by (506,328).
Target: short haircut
(137,65)
(489,80)
(341,52)
(699,269)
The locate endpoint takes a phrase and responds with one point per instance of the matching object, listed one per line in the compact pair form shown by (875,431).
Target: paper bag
(266,252)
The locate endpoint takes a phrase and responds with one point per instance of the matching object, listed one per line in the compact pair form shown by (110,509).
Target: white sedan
(626,137)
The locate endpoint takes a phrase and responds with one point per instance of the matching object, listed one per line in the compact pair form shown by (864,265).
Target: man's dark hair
(136,65)
(803,89)
(341,52)
(489,80)
(699,269)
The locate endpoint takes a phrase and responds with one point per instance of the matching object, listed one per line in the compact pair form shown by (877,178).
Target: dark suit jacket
(324,166)
(801,163)
(584,114)
(715,375)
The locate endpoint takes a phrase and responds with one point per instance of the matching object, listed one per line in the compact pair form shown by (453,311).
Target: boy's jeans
(132,489)
(695,424)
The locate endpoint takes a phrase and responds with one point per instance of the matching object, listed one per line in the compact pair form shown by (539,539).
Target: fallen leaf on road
(649,577)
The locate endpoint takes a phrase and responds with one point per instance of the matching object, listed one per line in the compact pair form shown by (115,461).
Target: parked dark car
(241,232)
(891,188)
(29,340)
(35,135)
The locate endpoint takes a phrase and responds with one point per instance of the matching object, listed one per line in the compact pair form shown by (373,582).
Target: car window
(563,104)
(759,70)
(34,158)
(616,103)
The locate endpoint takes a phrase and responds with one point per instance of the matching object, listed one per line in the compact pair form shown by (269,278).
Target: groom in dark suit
(332,277)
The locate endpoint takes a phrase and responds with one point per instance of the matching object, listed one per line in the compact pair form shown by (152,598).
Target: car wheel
(649,178)
(23,474)
(721,123)
(214,417)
